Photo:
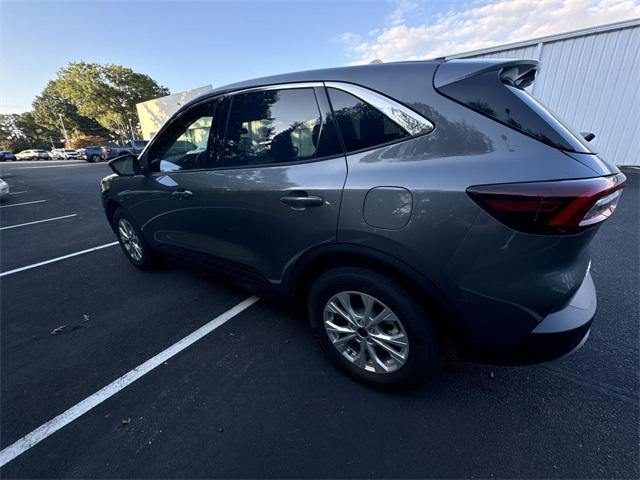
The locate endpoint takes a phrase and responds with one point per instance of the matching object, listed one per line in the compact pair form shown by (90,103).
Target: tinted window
(183,146)
(274,126)
(488,94)
(361,125)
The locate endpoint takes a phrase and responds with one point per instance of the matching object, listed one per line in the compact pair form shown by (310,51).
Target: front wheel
(373,328)
(132,242)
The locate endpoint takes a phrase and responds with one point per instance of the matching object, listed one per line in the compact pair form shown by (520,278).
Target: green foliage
(106,93)
(21,131)
(51,104)
(93,100)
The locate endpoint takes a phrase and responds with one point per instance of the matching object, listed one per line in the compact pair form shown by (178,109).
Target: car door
(274,183)
(166,201)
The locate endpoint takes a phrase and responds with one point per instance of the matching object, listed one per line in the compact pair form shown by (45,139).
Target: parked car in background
(70,154)
(6,156)
(408,205)
(90,154)
(57,154)
(63,154)
(33,154)
(131,147)
(4,188)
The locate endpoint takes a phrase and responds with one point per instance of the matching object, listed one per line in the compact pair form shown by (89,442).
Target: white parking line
(38,221)
(17,193)
(23,203)
(61,166)
(52,426)
(57,259)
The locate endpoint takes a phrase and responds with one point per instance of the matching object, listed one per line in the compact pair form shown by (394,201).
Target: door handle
(182,193)
(301,200)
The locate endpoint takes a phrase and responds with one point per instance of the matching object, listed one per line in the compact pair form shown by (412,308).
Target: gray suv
(409,206)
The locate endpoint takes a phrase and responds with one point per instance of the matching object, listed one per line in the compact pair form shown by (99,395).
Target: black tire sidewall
(424,344)
(147,255)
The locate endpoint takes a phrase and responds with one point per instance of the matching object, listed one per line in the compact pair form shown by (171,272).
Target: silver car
(33,154)
(4,188)
(407,205)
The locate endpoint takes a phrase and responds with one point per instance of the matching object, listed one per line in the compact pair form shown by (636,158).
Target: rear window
(276,126)
(575,140)
(487,94)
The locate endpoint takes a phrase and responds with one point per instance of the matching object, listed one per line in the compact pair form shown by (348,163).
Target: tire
(137,251)
(96,158)
(423,352)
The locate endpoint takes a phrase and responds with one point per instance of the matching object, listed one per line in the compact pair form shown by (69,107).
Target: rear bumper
(558,334)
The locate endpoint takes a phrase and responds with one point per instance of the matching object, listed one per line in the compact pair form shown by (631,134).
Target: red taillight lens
(561,207)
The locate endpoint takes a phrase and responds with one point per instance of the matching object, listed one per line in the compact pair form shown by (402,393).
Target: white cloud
(482,25)
(403,7)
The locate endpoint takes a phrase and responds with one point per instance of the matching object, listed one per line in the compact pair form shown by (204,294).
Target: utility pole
(66,137)
(52,144)
(132,133)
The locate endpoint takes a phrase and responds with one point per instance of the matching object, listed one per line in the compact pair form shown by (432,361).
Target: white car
(57,154)
(63,154)
(33,154)
(70,154)
(4,188)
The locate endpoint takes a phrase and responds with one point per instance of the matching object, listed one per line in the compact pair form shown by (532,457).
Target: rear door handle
(182,193)
(301,200)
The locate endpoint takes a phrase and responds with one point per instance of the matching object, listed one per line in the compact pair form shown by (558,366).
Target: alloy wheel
(366,332)
(130,240)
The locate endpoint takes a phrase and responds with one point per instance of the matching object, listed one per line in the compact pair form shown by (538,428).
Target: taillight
(561,207)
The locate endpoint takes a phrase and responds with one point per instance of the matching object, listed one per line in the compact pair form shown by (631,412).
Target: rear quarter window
(361,125)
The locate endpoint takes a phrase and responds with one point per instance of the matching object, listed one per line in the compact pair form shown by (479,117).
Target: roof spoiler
(519,73)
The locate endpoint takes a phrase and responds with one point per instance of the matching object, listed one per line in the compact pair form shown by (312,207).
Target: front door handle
(301,200)
(182,193)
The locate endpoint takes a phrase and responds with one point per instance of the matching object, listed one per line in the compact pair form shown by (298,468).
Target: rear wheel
(133,244)
(373,329)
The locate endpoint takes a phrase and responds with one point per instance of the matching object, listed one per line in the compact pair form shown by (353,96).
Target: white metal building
(591,80)
(153,113)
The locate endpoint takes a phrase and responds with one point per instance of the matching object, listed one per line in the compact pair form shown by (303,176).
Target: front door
(166,203)
(277,189)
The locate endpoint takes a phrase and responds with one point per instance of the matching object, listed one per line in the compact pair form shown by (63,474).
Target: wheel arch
(110,208)
(319,260)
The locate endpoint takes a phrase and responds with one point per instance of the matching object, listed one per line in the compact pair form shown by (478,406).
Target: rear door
(276,184)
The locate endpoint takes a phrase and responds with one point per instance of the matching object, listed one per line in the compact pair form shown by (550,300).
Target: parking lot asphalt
(256,397)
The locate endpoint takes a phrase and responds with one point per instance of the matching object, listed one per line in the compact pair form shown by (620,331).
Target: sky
(188,44)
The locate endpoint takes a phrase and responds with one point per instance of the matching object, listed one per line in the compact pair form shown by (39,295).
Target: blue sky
(184,44)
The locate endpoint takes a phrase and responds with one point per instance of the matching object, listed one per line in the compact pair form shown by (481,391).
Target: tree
(106,93)
(21,131)
(51,104)
(83,141)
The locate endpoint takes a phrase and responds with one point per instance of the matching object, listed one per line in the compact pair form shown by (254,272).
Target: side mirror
(588,136)
(125,165)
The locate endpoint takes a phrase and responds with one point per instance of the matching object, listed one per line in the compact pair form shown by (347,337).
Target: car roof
(343,74)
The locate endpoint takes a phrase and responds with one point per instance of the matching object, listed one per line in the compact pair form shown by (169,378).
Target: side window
(183,146)
(361,125)
(275,126)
